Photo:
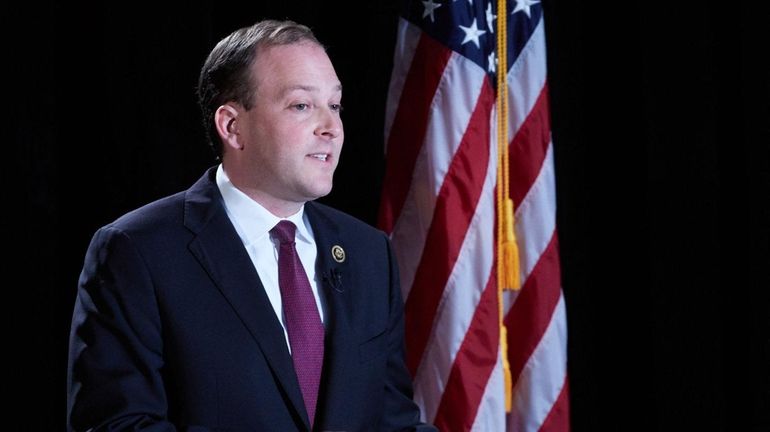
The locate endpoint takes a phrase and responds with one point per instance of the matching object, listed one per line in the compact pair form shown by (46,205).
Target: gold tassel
(506,369)
(511,269)
(507,251)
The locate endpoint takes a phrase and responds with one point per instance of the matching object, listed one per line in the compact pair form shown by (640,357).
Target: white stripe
(460,297)
(491,412)
(408,35)
(451,109)
(542,378)
(526,79)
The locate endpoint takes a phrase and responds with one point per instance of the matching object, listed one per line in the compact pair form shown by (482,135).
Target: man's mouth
(320,156)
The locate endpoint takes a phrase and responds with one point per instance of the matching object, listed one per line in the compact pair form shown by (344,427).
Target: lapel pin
(338,253)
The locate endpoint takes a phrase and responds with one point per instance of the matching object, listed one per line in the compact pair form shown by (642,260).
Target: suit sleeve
(115,359)
(401,413)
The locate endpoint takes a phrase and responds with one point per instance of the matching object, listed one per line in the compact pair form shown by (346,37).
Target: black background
(661,127)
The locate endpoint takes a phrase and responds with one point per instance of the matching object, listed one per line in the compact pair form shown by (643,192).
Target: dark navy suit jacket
(172,329)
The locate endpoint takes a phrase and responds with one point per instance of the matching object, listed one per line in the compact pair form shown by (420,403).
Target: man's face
(293,134)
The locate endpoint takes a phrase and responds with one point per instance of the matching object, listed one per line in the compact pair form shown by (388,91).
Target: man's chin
(317,192)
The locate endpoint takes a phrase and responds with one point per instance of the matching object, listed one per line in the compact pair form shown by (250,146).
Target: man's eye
(336,107)
(301,106)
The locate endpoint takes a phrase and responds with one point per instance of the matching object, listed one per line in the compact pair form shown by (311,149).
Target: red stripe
(455,206)
(526,152)
(472,366)
(531,313)
(409,126)
(558,417)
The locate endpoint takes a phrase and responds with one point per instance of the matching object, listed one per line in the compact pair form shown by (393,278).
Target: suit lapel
(335,276)
(220,251)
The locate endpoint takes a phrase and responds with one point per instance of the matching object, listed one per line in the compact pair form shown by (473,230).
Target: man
(240,304)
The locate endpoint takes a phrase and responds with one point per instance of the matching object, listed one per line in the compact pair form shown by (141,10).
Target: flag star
(490,18)
(491,62)
(472,33)
(429,8)
(523,5)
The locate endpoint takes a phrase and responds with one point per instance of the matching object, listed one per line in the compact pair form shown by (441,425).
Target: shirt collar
(253,221)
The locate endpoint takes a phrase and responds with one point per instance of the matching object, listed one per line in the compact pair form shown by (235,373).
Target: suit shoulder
(154,216)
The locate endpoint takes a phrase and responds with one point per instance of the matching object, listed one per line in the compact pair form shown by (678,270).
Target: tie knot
(284,231)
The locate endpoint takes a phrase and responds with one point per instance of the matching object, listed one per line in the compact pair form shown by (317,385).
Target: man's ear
(226,120)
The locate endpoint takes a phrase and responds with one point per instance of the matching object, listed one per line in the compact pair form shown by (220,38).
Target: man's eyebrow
(292,88)
(307,88)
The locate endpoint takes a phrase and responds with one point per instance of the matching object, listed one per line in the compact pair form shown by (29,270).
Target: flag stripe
(543,377)
(451,113)
(536,218)
(407,37)
(408,131)
(462,293)
(491,413)
(473,364)
(528,148)
(455,206)
(530,315)
(526,78)
(558,418)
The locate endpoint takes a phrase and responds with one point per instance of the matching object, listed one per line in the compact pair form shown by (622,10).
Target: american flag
(439,207)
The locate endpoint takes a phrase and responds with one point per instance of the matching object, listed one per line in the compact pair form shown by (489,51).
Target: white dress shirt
(253,223)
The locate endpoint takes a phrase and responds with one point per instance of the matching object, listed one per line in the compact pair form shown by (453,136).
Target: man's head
(226,74)
(271,99)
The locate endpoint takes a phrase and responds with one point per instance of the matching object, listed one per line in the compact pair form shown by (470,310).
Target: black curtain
(661,127)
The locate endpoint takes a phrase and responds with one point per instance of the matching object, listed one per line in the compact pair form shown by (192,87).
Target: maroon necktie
(301,317)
